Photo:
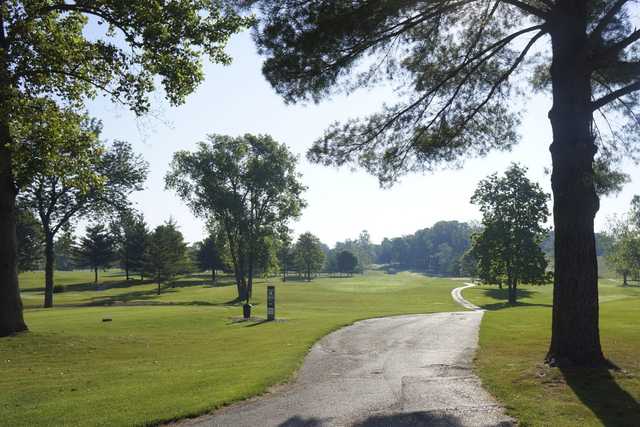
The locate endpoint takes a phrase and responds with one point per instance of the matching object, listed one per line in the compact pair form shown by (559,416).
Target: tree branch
(525,7)
(599,103)
(606,19)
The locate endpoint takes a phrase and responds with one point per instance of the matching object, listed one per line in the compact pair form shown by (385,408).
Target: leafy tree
(131,233)
(166,253)
(96,249)
(514,211)
(64,249)
(308,254)
(209,255)
(48,53)
(346,262)
(29,234)
(458,63)
(59,198)
(285,252)
(624,253)
(248,186)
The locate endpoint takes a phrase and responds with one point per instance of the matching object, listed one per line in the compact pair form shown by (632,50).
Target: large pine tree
(457,64)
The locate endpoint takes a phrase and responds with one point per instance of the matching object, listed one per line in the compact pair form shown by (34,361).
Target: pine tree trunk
(126,272)
(49,265)
(213,275)
(95,277)
(575,329)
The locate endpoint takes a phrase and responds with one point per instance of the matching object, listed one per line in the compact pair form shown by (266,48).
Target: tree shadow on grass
(91,286)
(599,391)
(503,295)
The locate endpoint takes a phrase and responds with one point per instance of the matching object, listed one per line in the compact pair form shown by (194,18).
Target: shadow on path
(598,390)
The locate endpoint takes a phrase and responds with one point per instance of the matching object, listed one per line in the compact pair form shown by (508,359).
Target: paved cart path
(394,371)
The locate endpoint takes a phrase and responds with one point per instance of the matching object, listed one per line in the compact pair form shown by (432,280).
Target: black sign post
(271,302)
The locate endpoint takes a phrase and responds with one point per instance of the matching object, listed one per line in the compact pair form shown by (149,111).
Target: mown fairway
(513,343)
(180,353)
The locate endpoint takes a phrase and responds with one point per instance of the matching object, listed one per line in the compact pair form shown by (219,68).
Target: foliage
(210,254)
(308,255)
(166,253)
(130,232)
(63,248)
(97,186)
(514,211)
(436,250)
(29,234)
(362,248)
(56,55)
(346,262)
(96,249)
(624,254)
(247,186)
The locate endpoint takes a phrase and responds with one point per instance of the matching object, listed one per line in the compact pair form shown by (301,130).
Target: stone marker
(271,302)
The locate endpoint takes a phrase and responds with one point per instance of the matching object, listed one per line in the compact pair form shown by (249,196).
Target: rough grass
(513,343)
(181,353)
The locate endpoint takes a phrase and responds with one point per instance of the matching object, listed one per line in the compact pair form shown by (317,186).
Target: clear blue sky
(237,99)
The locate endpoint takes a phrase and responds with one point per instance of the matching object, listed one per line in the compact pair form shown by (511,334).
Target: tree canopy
(55,55)
(94,187)
(248,186)
(514,211)
(308,255)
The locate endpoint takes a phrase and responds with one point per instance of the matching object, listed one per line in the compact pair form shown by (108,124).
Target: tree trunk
(624,279)
(95,276)
(575,330)
(126,272)
(49,265)
(213,274)
(11,320)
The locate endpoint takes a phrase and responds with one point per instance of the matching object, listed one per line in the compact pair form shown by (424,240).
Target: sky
(236,99)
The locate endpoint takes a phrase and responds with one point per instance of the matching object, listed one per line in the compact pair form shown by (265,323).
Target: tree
(166,253)
(248,186)
(285,252)
(130,232)
(96,249)
(29,235)
(346,262)
(459,62)
(64,249)
(624,253)
(308,254)
(47,53)
(514,211)
(209,255)
(99,187)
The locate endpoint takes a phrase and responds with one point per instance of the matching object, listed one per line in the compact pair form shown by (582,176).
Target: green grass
(180,353)
(513,343)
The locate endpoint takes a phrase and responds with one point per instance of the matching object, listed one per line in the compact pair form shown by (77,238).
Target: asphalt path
(393,371)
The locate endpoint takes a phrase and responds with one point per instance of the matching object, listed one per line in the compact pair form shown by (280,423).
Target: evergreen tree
(166,253)
(130,231)
(96,249)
